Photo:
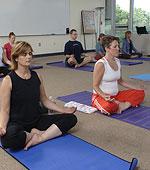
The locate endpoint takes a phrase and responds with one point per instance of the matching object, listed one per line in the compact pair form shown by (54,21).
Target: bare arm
(97,77)
(51,105)
(128,85)
(5,92)
(6,61)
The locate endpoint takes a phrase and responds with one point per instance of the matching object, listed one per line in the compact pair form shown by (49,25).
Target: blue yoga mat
(145,77)
(129,63)
(139,116)
(62,64)
(33,67)
(70,153)
(141,58)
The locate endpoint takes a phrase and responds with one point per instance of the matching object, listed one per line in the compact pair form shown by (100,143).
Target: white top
(109,84)
(1,52)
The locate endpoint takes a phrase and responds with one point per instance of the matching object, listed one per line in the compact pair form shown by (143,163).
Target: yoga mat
(145,77)
(141,58)
(129,63)
(62,64)
(70,153)
(1,76)
(139,116)
(33,67)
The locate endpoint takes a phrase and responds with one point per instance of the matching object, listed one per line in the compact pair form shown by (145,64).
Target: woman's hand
(69,110)
(2,131)
(107,97)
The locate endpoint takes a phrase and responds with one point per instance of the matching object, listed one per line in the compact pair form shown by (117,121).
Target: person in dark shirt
(22,124)
(74,52)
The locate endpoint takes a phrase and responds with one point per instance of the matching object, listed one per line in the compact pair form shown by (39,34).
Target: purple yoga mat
(62,64)
(141,58)
(130,63)
(139,116)
(33,67)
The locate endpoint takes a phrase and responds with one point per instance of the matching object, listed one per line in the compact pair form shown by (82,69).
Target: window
(141,16)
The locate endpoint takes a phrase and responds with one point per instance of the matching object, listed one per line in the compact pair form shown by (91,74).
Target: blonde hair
(19,48)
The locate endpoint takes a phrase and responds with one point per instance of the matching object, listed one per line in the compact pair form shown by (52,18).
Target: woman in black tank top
(21,122)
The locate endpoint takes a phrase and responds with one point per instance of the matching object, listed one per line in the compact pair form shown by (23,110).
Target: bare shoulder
(39,76)
(100,64)
(6,82)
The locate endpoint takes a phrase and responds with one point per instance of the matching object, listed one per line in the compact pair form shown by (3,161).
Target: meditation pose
(8,46)
(21,122)
(74,51)
(128,48)
(106,77)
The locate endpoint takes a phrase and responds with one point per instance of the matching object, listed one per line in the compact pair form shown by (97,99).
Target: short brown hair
(107,40)
(73,30)
(126,33)
(100,36)
(11,34)
(19,48)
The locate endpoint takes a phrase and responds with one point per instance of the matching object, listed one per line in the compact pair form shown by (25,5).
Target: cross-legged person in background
(100,52)
(106,77)
(8,46)
(128,49)
(21,122)
(74,52)
(4,62)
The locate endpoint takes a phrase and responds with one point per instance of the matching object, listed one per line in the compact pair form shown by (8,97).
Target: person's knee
(140,94)
(14,138)
(111,107)
(73,120)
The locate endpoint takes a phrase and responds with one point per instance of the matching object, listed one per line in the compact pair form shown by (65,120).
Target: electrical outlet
(39,44)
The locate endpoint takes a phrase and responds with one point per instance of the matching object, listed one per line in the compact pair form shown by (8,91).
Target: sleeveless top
(109,84)
(25,97)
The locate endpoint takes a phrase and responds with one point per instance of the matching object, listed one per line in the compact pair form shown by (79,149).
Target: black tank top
(25,97)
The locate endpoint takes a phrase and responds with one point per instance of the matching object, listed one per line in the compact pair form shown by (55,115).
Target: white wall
(55,43)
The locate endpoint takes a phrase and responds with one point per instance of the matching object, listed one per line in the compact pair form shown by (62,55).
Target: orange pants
(134,97)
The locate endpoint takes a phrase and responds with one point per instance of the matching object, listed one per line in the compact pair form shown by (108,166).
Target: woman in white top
(107,74)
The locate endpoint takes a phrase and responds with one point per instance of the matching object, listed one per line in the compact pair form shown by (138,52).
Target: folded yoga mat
(139,116)
(144,77)
(33,67)
(70,153)
(129,63)
(62,64)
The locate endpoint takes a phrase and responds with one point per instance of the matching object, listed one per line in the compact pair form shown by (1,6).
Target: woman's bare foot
(35,139)
(36,131)
(77,65)
(123,106)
